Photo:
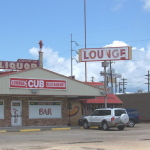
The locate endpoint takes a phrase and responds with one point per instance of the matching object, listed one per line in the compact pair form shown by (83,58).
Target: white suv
(106,118)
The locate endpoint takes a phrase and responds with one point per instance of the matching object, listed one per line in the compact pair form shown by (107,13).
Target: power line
(124,41)
(148,75)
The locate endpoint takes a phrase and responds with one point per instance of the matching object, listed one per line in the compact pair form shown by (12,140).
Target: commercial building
(39,97)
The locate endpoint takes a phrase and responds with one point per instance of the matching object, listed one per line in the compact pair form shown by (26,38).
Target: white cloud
(146,4)
(34,52)
(142,49)
(117,44)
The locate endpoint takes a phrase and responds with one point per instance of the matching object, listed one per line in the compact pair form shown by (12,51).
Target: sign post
(105,64)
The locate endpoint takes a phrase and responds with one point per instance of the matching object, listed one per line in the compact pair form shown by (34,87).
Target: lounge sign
(20,64)
(37,84)
(105,53)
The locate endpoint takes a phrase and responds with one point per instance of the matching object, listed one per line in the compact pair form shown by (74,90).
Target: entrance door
(16,113)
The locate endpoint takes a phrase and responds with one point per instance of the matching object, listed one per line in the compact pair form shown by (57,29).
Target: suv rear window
(119,112)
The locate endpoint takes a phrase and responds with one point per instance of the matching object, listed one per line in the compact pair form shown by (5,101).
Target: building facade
(39,97)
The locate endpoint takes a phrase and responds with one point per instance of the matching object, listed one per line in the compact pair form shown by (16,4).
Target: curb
(38,129)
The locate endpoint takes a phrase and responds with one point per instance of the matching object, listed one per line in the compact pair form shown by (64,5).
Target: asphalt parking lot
(137,138)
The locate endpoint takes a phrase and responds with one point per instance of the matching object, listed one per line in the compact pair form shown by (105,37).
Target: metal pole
(123,85)
(148,80)
(69,113)
(105,64)
(115,85)
(71,55)
(111,79)
(119,87)
(105,86)
(85,37)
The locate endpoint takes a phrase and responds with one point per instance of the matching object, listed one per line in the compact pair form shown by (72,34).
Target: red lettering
(108,52)
(49,111)
(45,111)
(122,52)
(92,54)
(115,53)
(41,111)
(100,53)
(85,57)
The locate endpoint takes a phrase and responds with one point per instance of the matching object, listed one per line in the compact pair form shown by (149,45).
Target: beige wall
(75,112)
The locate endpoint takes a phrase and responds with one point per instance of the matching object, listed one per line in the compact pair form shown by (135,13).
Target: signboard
(16,113)
(37,84)
(114,75)
(1,109)
(45,109)
(108,89)
(20,64)
(105,53)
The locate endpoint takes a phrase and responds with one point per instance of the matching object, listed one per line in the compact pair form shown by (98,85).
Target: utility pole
(123,83)
(105,64)
(148,79)
(111,77)
(92,79)
(71,54)
(120,83)
(85,37)
(115,85)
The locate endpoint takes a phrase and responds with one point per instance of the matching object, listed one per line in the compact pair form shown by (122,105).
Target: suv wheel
(120,127)
(85,125)
(131,123)
(105,126)
(124,118)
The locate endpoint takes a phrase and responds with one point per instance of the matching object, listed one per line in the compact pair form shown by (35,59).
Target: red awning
(111,99)
(95,83)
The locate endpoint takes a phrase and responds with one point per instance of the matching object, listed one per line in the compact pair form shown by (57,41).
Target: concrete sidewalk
(37,128)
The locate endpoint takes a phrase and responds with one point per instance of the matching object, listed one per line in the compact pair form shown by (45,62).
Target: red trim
(111,99)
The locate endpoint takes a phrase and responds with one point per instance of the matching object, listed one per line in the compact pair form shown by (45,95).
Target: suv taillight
(139,117)
(113,119)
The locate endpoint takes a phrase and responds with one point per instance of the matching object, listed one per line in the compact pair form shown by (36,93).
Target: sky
(109,23)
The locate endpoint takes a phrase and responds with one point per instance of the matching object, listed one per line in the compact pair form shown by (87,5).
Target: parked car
(134,117)
(106,118)
(80,121)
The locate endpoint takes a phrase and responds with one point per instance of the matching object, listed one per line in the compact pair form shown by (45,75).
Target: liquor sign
(105,53)
(45,109)
(38,84)
(20,64)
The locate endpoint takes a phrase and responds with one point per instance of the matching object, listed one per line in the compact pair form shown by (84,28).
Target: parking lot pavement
(61,127)
(136,138)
